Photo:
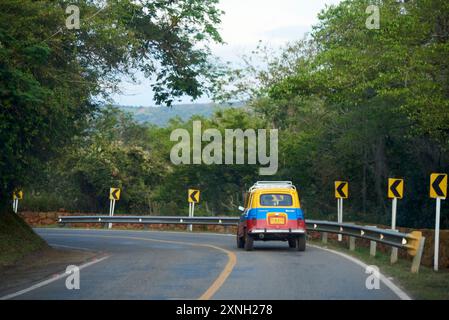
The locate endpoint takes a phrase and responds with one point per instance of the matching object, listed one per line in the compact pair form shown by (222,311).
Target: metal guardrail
(389,237)
(224,221)
(412,242)
(386,236)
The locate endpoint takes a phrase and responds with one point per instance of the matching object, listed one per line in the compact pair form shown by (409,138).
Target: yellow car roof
(274,190)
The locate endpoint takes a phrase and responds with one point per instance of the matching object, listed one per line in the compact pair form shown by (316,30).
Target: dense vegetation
(350,103)
(17,239)
(51,77)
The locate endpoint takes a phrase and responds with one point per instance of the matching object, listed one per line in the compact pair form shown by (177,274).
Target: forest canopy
(52,76)
(350,103)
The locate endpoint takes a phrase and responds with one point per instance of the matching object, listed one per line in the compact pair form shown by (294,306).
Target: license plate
(276,220)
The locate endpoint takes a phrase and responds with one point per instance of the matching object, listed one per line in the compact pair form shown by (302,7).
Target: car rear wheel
(249,243)
(292,243)
(240,242)
(301,243)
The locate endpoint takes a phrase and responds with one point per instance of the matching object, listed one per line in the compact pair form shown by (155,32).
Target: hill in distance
(161,115)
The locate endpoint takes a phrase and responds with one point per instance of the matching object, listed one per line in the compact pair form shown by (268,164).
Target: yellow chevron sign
(395,188)
(438,185)
(193,195)
(341,189)
(17,195)
(114,194)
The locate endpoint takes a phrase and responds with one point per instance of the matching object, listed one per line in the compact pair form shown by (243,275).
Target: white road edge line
(398,291)
(52,279)
(68,247)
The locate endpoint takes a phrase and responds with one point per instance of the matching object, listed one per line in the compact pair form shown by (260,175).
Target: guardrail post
(324,237)
(372,248)
(394,255)
(417,258)
(351,243)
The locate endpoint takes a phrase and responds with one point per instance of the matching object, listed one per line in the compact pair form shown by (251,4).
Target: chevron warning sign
(17,195)
(438,185)
(395,188)
(114,194)
(194,196)
(341,189)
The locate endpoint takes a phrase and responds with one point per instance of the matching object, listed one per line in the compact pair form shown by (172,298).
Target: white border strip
(48,281)
(399,292)
(68,247)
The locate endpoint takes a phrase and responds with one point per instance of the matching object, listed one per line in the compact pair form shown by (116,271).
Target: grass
(17,239)
(425,285)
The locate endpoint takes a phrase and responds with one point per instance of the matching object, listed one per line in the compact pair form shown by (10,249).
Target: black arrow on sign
(436,185)
(192,196)
(340,189)
(393,187)
(114,194)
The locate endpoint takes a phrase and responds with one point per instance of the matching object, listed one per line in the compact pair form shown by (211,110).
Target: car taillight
(301,224)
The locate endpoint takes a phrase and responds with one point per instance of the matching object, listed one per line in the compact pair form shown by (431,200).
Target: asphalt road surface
(169,265)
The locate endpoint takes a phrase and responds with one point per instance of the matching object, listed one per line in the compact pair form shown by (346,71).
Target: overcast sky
(244,23)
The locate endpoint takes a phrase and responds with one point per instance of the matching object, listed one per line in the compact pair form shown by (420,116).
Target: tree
(361,105)
(51,77)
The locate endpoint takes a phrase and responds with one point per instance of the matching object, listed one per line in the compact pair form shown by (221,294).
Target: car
(272,211)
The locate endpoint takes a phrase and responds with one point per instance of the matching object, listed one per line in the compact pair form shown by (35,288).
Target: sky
(244,24)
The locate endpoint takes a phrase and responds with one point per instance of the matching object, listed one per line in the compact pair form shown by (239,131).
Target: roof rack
(272,184)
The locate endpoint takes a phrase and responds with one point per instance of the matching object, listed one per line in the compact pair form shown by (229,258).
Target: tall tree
(51,77)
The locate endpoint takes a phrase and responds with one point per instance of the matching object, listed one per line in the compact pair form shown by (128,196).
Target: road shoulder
(425,285)
(41,265)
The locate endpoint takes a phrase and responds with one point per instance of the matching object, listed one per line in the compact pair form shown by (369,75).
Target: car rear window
(276,200)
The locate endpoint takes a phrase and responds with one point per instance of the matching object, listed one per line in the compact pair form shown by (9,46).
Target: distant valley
(161,115)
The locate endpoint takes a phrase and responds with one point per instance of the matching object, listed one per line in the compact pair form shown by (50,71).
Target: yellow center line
(216,285)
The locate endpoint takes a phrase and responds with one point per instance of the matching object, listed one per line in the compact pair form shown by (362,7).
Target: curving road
(168,265)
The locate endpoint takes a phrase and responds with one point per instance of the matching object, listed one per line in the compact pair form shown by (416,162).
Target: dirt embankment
(17,239)
(26,258)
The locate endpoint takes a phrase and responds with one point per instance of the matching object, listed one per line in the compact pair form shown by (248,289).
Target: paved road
(162,265)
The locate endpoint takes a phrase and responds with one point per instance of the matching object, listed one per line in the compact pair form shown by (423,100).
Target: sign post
(438,191)
(193,197)
(341,192)
(114,195)
(395,192)
(16,196)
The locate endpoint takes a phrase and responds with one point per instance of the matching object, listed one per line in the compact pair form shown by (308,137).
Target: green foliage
(114,153)
(350,104)
(51,77)
(360,105)
(17,239)
(117,152)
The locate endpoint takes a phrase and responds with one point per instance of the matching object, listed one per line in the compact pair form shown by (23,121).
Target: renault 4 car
(272,211)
